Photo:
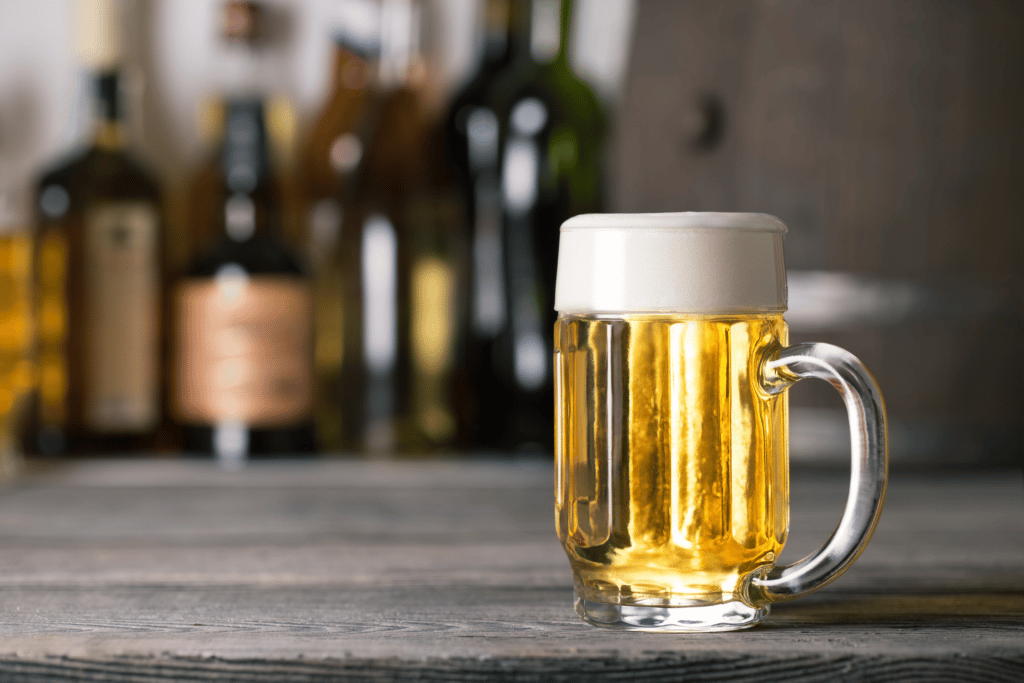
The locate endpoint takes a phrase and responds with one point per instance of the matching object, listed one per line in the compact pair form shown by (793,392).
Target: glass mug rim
(713,268)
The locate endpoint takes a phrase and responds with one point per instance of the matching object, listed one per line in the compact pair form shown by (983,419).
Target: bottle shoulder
(61,168)
(567,98)
(338,113)
(578,95)
(335,142)
(131,165)
(259,255)
(91,174)
(396,159)
(521,78)
(474,90)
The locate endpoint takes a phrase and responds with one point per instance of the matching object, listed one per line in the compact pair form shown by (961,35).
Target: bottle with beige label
(99,279)
(243,380)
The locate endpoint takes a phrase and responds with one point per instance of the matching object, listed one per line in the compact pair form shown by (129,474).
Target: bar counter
(393,570)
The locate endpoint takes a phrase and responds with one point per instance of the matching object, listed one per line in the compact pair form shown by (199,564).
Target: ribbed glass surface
(671,474)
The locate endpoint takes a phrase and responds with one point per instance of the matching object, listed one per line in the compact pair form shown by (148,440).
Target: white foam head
(703,263)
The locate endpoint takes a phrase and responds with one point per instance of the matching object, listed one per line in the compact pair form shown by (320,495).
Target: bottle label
(244,350)
(122,317)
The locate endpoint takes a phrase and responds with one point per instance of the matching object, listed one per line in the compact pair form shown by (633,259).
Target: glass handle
(869,467)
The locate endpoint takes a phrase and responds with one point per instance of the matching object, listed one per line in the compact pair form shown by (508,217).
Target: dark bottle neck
(250,205)
(496,26)
(245,160)
(519,28)
(109,129)
(564,29)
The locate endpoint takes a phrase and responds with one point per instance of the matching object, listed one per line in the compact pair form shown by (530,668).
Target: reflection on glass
(380,295)
(434,313)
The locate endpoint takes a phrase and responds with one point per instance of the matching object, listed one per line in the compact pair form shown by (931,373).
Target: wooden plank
(351,570)
(478,632)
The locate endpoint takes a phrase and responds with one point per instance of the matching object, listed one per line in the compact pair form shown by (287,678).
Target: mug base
(726,616)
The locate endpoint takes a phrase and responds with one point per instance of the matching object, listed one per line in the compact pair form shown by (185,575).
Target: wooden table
(448,570)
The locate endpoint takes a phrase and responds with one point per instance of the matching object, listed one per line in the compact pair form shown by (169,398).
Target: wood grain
(373,571)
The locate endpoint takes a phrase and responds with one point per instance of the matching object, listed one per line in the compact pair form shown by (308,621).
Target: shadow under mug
(671,365)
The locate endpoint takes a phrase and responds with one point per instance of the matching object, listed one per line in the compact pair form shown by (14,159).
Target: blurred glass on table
(966,414)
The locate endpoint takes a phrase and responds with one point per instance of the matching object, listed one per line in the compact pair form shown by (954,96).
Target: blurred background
(300,227)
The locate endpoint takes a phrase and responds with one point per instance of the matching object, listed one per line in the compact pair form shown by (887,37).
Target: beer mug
(671,365)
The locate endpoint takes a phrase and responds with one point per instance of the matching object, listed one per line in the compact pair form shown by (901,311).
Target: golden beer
(671,486)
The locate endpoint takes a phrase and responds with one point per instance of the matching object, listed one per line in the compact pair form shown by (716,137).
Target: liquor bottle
(331,158)
(243,325)
(402,307)
(472,156)
(99,279)
(527,149)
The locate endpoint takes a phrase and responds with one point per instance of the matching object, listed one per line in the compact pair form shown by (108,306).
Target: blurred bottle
(249,59)
(16,322)
(99,276)
(498,52)
(402,259)
(331,157)
(244,384)
(525,142)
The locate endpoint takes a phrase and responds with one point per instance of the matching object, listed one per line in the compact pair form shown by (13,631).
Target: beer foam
(702,263)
